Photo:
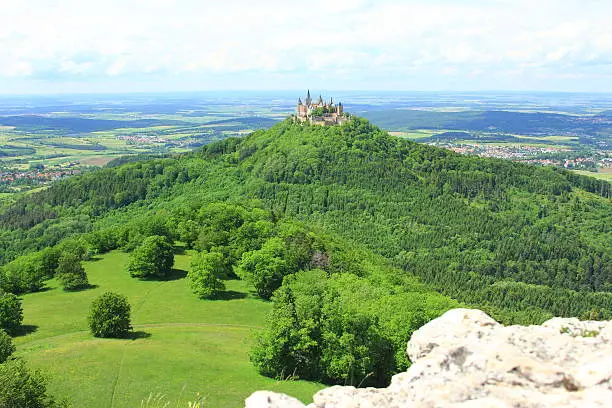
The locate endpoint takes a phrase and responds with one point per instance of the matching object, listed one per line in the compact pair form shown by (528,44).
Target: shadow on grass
(138,335)
(43,289)
(230,295)
(95,258)
(175,274)
(82,288)
(25,329)
(179,250)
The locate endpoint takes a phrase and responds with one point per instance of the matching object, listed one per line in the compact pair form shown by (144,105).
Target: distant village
(538,155)
(16,180)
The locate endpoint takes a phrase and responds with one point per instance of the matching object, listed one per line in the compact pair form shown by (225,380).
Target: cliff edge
(466,359)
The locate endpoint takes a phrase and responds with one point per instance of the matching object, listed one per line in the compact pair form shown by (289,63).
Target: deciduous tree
(206,270)
(6,346)
(11,313)
(154,258)
(71,273)
(109,316)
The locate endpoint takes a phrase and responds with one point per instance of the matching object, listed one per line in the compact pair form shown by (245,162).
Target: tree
(206,271)
(154,258)
(24,274)
(11,313)
(264,268)
(6,346)
(23,388)
(109,316)
(188,231)
(49,259)
(70,272)
(77,247)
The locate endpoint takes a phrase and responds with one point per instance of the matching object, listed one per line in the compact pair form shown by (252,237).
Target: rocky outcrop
(466,359)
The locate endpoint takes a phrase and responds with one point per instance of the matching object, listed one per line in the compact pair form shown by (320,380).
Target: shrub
(154,258)
(6,346)
(11,313)
(109,316)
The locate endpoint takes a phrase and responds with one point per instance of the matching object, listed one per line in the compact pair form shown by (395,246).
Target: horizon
(161,46)
(299,92)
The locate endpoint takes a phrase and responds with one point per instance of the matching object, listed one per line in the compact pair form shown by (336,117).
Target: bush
(6,346)
(206,271)
(154,258)
(70,272)
(22,388)
(109,316)
(11,313)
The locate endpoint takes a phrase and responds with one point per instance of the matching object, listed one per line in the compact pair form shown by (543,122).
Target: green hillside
(349,231)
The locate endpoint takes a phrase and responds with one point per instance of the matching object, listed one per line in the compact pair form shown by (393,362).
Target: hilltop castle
(320,112)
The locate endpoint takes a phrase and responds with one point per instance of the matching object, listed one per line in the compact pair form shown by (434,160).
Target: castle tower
(301,109)
(308,100)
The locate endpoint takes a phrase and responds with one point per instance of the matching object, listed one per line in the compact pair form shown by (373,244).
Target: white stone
(268,399)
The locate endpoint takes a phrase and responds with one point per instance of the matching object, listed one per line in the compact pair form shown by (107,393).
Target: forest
(356,237)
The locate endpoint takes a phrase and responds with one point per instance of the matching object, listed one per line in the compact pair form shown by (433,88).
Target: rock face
(466,359)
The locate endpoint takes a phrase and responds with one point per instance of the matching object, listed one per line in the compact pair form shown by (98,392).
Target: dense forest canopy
(311,216)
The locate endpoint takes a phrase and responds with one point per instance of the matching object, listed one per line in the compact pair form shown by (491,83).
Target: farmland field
(47,139)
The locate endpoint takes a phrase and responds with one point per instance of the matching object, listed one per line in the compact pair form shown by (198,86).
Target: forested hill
(522,242)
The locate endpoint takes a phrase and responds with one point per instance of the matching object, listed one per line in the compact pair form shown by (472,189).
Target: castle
(320,112)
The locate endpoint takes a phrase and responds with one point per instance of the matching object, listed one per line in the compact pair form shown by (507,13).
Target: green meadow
(603,174)
(182,346)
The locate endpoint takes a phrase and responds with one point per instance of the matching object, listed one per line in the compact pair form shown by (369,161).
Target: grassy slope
(184,345)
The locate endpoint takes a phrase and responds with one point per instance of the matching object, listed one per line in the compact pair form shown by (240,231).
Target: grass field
(182,345)
(604,173)
(416,134)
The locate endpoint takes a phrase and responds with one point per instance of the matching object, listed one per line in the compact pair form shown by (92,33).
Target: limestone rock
(465,359)
(268,399)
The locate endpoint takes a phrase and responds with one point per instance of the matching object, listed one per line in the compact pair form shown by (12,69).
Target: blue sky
(67,46)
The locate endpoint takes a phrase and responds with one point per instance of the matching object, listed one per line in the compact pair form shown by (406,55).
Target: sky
(92,46)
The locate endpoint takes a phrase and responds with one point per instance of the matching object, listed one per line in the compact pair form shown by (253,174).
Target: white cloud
(393,42)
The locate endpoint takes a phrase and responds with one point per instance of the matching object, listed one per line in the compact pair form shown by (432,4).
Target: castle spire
(299,101)
(308,99)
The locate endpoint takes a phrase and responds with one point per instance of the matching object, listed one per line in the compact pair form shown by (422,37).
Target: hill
(351,229)
(431,211)
(528,123)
